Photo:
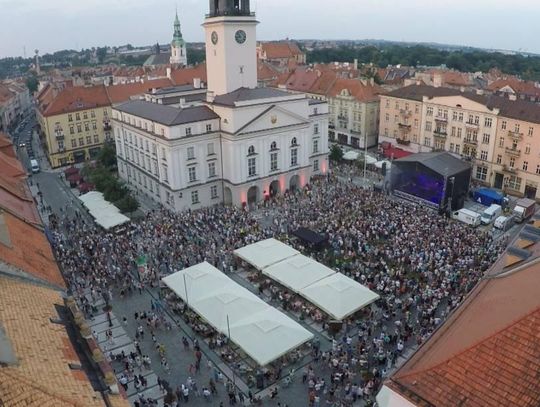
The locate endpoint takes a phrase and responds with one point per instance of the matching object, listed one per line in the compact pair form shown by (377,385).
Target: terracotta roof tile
(280,49)
(361,92)
(39,262)
(124,92)
(72,99)
(42,376)
(185,76)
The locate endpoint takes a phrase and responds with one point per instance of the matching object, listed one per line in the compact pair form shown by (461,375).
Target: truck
(487,197)
(467,216)
(490,214)
(524,209)
(503,223)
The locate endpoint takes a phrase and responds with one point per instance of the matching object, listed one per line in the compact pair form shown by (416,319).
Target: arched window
(273,146)
(294,143)
(251,150)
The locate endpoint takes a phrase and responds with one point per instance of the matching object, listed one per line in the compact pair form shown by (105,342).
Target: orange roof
(72,99)
(185,76)
(266,71)
(39,262)
(42,377)
(523,87)
(124,92)
(324,83)
(5,93)
(280,49)
(302,80)
(488,352)
(6,146)
(361,92)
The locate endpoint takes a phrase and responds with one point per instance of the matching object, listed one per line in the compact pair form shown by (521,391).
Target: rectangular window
(194,197)
(163,155)
(499,159)
(88,140)
(316,165)
(71,130)
(531,131)
(79,128)
(451,147)
(192,172)
(273,162)
(191,153)
(77,116)
(210,149)
(211,169)
(476,119)
(485,138)
(525,165)
(429,111)
(386,117)
(165,173)
(481,173)
(417,108)
(85,115)
(503,125)
(188,131)
(294,157)
(94,125)
(81,141)
(516,128)
(92,114)
(460,117)
(415,123)
(208,128)
(488,122)
(213,192)
(454,116)
(483,155)
(427,141)
(60,144)
(457,148)
(252,167)
(527,148)
(70,117)
(315,146)
(428,126)
(501,142)
(86,126)
(514,183)
(315,129)
(453,134)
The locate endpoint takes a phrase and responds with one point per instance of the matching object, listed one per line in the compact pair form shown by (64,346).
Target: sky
(51,25)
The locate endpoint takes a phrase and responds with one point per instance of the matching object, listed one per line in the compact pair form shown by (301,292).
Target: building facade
(14,102)
(499,135)
(178,46)
(239,146)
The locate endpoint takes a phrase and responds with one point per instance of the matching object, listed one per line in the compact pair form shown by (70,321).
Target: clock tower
(231,58)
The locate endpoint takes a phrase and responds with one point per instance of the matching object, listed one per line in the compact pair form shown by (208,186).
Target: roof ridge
(474,345)
(22,378)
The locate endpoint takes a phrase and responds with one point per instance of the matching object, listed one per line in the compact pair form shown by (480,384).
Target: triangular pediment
(462,102)
(274,117)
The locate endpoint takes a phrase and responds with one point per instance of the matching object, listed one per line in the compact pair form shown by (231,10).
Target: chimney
(355,63)
(197,83)
(168,73)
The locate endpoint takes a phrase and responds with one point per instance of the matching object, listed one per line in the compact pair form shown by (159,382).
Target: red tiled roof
(361,92)
(280,49)
(487,354)
(72,99)
(266,71)
(185,76)
(6,146)
(122,93)
(302,80)
(521,87)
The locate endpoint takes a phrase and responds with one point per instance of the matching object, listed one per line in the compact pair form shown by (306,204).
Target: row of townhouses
(501,136)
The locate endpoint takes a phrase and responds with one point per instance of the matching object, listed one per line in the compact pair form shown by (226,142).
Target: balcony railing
(515,135)
(405,112)
(440,133)
(512,151)
(404,126)
(507,168)
(107,127)
(470,141)
(441,119)
(472,124)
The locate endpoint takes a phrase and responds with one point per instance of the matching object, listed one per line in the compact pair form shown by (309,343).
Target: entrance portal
(253,195)
(227,199)
(294,183)
(274,188)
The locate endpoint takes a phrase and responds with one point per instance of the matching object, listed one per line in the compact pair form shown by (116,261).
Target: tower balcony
(514,152)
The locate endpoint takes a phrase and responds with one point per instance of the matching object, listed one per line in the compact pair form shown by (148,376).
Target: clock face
(240,36)
(214,38)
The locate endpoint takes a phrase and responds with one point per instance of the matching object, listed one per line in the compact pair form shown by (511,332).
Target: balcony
(515,135)
(514,152)
(405,113)
(470,141)
(107,126)
(440,133)
(441,119)
(472,125)
(404,126)
(403,142)
(507,168)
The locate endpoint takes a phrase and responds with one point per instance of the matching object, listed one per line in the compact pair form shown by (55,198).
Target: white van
(467,216)
(491,213)
(503,223)
(35,166)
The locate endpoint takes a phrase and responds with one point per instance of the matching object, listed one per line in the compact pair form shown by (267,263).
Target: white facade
(261,142)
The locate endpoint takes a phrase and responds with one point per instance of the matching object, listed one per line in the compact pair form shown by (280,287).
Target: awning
(265,253)
(309,236)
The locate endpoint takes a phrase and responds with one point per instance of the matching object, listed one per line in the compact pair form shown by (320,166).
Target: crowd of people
(421,264)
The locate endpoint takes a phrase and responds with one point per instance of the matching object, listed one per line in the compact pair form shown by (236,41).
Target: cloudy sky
(50,25)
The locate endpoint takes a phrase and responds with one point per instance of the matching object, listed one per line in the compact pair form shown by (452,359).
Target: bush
(336,153)
(127,204)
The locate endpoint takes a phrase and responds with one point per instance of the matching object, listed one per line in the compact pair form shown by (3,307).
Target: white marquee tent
(265,253)
(105,214)
(339,295)
(259,330)
(298,272)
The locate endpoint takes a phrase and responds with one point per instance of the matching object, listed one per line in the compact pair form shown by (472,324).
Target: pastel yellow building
(74,123)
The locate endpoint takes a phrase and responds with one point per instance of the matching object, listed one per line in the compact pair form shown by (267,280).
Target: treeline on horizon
(474,60)
(469,60)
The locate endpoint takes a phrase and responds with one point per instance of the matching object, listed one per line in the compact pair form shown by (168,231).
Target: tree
(32,83)
(336,153)
(107,156)
(127,204)
(101,53)
(114,192)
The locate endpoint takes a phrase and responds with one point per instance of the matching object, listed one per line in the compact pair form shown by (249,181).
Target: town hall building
(239,145)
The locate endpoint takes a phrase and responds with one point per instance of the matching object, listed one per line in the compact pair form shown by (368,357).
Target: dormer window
(273,146)
(294,142)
